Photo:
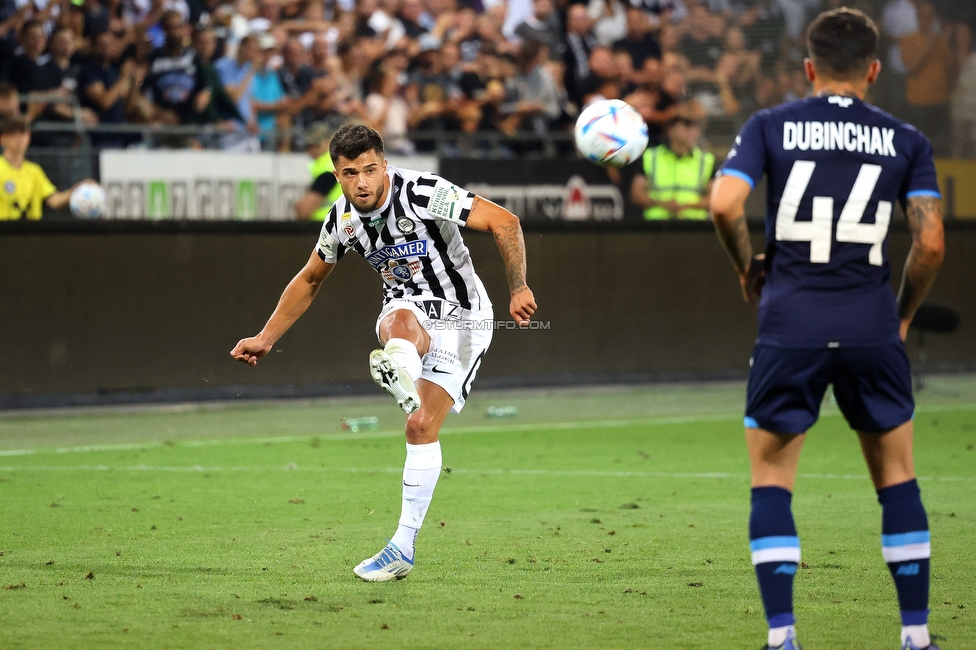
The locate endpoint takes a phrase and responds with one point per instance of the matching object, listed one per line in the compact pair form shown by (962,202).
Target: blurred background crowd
(424,72)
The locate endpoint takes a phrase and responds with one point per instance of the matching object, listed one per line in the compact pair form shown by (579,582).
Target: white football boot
(388,564)
(388,374)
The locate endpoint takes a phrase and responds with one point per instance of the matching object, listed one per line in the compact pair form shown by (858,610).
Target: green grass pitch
(601,518)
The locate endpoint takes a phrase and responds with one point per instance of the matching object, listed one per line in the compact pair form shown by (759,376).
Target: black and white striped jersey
(412,241)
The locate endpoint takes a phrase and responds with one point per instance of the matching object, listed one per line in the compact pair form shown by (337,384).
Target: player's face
(363,180)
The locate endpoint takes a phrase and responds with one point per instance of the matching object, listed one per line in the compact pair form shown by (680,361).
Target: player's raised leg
(420,473)
(775,546)
(397,366)
(904,528)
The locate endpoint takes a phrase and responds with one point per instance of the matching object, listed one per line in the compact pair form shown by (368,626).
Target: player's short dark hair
(14,125)
(353,140)
(842,43)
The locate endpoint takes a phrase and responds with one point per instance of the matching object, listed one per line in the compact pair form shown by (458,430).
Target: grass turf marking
(392,433)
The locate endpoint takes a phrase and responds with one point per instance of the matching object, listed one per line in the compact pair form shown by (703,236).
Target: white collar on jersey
(370,216)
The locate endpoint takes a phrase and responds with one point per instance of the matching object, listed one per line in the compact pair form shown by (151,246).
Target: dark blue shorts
(873,387)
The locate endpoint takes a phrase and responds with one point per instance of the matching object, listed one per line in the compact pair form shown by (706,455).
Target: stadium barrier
(149,310)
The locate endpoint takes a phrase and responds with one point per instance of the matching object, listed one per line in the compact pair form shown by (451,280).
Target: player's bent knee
(421,427)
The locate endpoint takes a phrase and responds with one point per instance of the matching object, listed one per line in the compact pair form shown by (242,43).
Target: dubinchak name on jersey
(841,136)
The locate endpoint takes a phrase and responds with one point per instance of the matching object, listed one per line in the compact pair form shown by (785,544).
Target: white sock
(919,634)
(420,473)
(778,635)
(405,354)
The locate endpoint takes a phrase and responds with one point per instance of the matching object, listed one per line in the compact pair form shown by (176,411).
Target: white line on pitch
(456,470)
(488,428)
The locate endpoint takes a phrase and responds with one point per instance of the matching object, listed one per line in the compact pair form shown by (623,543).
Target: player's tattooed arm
(507,231)
(924,214)
(727,206)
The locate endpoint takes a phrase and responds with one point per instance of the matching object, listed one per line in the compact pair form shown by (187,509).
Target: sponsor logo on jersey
(377,221)
(440,309)
(377,259)
(347,226)
(405,225)
(445,201)
(843,102)
(9,187)
(840,136)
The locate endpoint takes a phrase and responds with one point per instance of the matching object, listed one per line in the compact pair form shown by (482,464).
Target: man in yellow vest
(325,189)
(675,181)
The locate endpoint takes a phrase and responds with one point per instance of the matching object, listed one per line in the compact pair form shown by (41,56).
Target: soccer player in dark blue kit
(835,167)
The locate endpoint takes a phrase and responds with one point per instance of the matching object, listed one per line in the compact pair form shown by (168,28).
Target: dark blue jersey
(835,168)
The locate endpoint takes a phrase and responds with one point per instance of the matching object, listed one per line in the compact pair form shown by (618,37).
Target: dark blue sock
(775,552)
(905,546)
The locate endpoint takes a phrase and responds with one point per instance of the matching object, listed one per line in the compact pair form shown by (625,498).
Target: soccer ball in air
(87,201)
(611,132)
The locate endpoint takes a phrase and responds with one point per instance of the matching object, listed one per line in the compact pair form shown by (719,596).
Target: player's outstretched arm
(924,215)
(505,226)
(728,209)
(295,299)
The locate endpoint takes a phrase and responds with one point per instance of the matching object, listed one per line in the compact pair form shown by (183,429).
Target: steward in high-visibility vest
(676,175)
(324,189)
(323,177)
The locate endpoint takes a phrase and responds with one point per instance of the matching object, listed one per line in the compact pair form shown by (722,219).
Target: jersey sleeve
(921,179)
(45,187)
(330,250)
(747,158)
(434,197)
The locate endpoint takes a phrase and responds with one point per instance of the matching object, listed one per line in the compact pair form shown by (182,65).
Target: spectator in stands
(431,97)
(221,109)
(964,99)
(542,26)
(898,20)
(61,73)
(656,104)
(736,75)
(237,77)
(388,111)
(26,70)
(676,176)
(577,45)
(176,85)
(927,58)
(660,12)
(603,81)
(268,99)
(609,20)
(107,87)
(9,100)
(639,42)
(533,101)
(700,46)
(296,80)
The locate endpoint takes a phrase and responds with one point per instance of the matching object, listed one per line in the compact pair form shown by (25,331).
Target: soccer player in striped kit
(835,167)
(436,322)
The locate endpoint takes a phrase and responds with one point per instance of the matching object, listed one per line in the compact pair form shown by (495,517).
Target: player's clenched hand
(523,305)
(752,281)
(250,350)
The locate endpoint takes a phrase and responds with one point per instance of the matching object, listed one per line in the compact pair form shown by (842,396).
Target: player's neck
(826,87)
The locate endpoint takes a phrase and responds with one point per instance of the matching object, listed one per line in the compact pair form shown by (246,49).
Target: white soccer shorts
(458,340)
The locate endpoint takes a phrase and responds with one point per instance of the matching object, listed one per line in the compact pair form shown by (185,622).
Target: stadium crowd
(259,71)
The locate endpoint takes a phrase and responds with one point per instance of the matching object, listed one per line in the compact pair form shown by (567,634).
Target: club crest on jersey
(347,226)
(9,187)
(405,225)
